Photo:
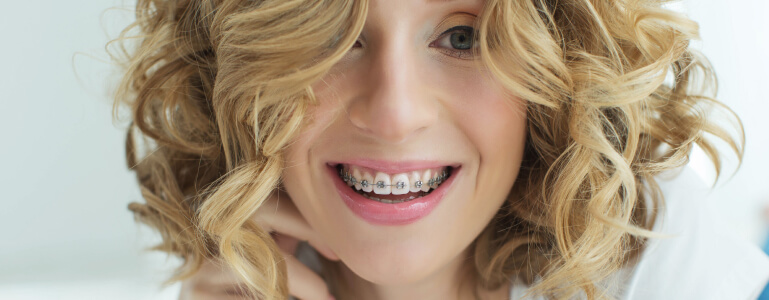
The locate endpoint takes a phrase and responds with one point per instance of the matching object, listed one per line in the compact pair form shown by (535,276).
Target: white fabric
(703,261)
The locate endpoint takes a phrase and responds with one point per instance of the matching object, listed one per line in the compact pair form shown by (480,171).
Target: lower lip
(379,213)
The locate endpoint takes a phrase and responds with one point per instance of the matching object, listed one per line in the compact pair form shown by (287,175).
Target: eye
(458,41)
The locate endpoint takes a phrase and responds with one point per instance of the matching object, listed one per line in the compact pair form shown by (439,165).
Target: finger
(303,283)
(281,215)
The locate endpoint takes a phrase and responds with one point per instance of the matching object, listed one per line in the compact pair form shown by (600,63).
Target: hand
(279,216)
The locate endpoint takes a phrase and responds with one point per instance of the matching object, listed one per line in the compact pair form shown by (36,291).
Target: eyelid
(456,28)
(457,19)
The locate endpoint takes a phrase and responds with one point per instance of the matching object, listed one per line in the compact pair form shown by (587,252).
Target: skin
(404,93)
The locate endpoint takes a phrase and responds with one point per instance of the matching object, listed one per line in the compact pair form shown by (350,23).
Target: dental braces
(433,182)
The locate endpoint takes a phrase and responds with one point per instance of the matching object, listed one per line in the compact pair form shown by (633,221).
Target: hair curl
(217,89)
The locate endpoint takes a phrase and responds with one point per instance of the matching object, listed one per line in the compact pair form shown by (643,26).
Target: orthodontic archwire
(347,177)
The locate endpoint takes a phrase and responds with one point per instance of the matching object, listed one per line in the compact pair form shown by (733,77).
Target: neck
(448,283)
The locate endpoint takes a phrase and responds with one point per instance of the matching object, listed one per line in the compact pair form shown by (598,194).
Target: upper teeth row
(397,185)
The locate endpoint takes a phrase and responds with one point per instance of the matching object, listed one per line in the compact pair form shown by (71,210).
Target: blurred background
(67,232)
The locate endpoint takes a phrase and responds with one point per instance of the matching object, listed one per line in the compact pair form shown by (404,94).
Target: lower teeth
(369,196)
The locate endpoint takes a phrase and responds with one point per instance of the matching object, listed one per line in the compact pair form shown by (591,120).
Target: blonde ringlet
(218,89)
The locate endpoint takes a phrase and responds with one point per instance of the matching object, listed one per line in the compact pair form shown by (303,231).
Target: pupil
(461,40)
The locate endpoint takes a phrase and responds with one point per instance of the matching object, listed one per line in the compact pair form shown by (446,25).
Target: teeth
(382,184)
(348,179)
(391,201)
(367,183)
(398,184)
(357,176)
(416,182)
(426,177)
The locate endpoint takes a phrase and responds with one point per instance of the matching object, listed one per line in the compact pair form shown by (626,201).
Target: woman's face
(407,98)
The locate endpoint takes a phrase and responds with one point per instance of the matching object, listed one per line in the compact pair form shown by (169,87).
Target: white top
(703,261)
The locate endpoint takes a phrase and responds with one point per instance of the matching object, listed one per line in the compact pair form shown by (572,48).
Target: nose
(395,104)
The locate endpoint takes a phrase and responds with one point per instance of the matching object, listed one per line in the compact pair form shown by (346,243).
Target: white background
(66,231)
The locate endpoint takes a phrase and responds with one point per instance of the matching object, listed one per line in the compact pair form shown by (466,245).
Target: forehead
(426,4)
(391,12)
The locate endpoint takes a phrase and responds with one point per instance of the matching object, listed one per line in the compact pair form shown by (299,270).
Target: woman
(425,149)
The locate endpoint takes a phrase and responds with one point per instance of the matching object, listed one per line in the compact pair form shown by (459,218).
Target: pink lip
(390,167)
(378,213)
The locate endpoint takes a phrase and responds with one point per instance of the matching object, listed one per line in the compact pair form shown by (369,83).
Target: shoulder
(701,259)
(212,282)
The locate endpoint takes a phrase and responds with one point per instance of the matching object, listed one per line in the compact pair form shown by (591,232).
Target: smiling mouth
(392,188)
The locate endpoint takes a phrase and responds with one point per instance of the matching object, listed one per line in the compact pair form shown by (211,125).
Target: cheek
(495,124)
(296,176)
(300,175)
(317,119)
(492,119)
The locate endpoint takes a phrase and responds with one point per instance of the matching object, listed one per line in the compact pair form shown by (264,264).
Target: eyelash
(446,35)
(458,53)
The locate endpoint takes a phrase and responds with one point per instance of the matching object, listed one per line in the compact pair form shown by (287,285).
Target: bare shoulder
(213,282)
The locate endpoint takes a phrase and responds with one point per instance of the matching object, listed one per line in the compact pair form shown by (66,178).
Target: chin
(386,267)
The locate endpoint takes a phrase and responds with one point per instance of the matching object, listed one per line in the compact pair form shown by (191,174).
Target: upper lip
(393,167)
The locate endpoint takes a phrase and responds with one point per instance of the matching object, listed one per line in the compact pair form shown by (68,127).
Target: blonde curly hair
(218,88)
